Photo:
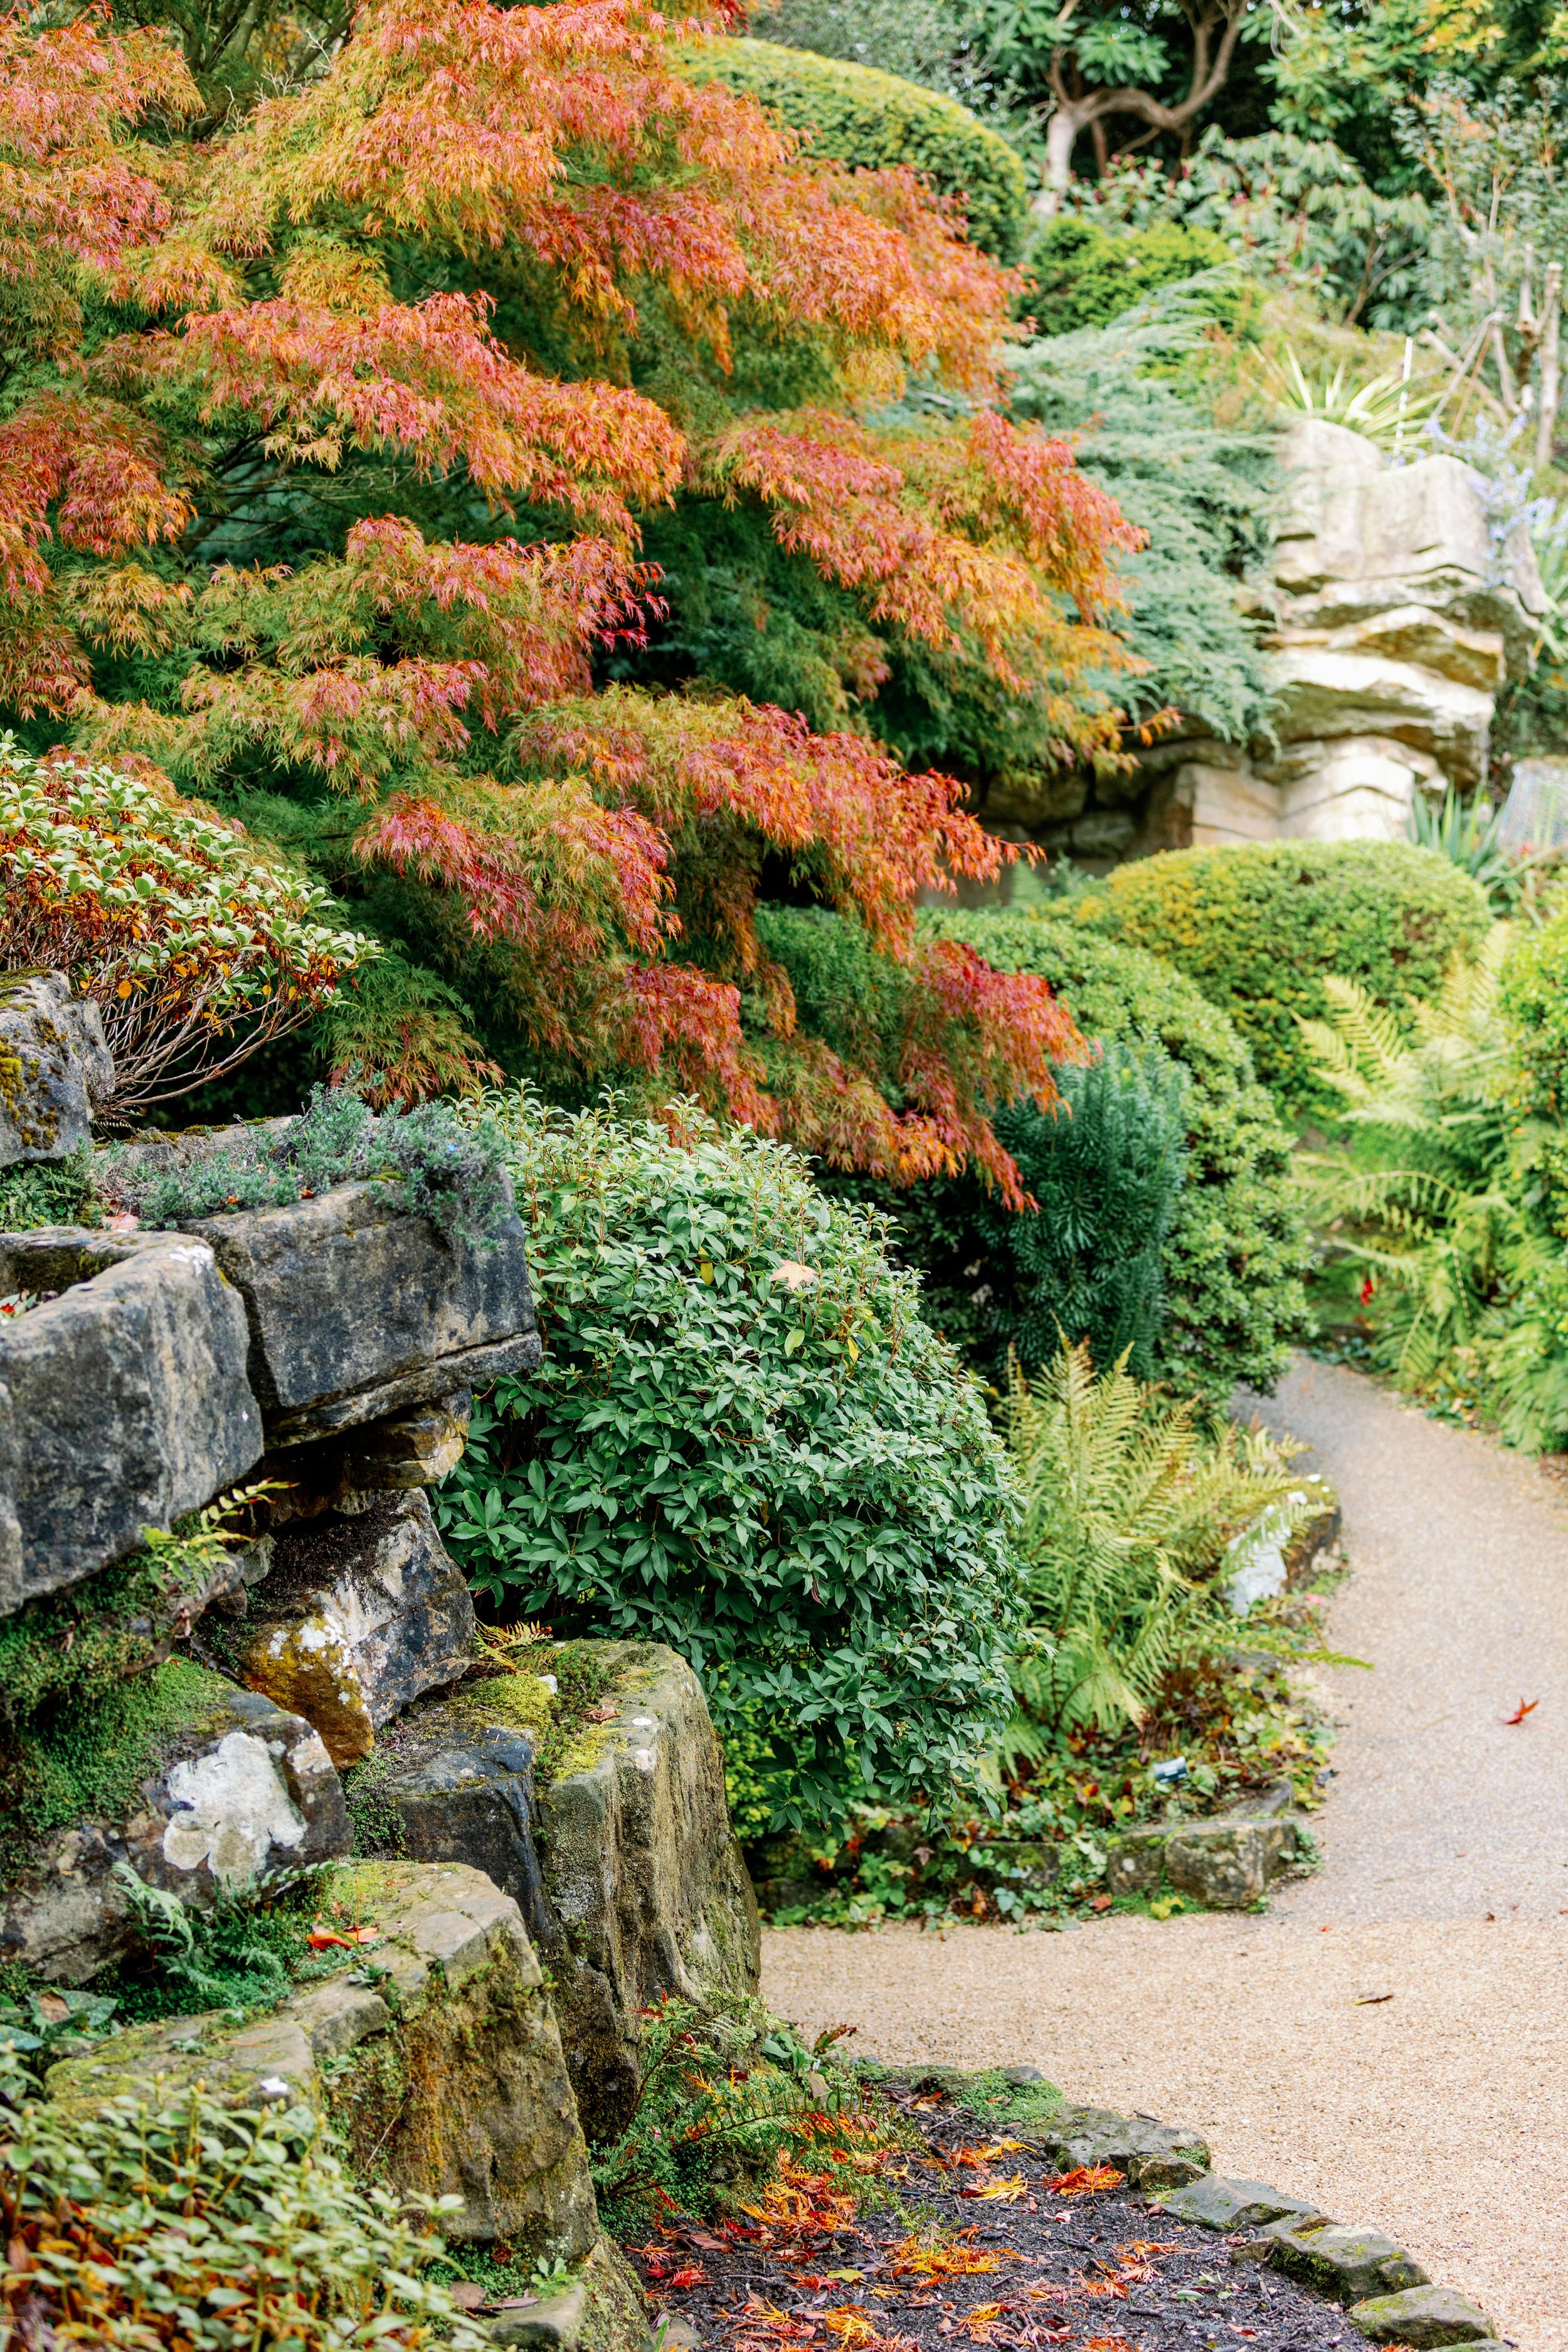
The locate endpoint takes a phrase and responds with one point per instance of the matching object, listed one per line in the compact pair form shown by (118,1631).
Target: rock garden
(784,802)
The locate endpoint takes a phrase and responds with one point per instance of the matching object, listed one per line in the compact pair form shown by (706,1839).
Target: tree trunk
(1061,136)
(1551,353)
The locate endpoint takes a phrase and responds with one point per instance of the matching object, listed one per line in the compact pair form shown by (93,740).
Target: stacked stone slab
(1399,613)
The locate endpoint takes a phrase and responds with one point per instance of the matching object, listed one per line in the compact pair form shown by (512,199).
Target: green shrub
(1258,926)
(1087,1261)
(1130,396)
(743,1441)
(1235,1254)
(1084,274)
(198,2229)
(869,120)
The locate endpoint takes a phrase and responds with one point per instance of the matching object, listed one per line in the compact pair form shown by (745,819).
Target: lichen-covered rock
(1225,1862)
(1343,2261)
(55,1067)
(359,1309)
(1422,2317)
(1215,2203)
(357,1618)
(221,1788)
(1152,2155)
(448,2081)
(626,1867)
(124,1399)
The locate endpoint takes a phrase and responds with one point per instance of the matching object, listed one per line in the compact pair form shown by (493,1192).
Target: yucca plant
(1466,832)
(1130,1508)
(1388,409)
(1420,1189)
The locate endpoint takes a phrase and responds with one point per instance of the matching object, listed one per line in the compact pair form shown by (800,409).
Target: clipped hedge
(1235,1254)
(870,120)
(1083,275)
(1258,926)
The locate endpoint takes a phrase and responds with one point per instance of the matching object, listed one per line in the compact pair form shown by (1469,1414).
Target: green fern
(1423,1191)
(1129,1509)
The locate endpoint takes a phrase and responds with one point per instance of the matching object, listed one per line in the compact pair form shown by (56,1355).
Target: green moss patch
(84,1761)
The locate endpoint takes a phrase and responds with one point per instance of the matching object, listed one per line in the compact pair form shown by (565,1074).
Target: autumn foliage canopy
(331,434)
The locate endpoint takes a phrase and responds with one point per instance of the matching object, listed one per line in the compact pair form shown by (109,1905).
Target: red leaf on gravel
(1526,1707)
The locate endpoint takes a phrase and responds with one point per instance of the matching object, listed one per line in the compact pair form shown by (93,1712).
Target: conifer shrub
(1257,928)
(1234,1256)
(855,115)
(1087,1264)
(745,1441)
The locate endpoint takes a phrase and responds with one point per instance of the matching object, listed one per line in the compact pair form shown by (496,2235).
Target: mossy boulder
(622,1858)
(200,1788)
(442,2070)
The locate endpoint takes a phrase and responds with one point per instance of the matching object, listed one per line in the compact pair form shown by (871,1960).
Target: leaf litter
(802,2264)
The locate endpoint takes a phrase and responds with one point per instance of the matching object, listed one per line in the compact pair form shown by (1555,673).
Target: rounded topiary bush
(1082,274)
(1258,926)
(854,115)
(1233,1257)
(745,1441)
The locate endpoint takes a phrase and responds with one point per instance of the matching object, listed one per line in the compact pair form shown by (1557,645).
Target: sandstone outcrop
(1398,613)
(624,1865)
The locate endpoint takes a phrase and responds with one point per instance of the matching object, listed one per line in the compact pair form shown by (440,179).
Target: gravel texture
(1441,2113)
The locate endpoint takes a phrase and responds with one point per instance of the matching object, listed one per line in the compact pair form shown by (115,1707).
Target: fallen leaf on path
(1004,2193)
(1369,2000)
(910,2257)
(1526,1707)
(978,2323)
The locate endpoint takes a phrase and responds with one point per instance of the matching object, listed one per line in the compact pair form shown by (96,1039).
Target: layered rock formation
(1399,613)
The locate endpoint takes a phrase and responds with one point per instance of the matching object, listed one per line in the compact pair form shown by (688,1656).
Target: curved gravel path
(1442,2113)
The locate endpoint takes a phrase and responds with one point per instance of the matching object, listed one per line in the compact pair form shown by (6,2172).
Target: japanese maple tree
(328,439)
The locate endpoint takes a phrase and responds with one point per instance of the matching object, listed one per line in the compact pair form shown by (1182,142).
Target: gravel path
(1441,2114)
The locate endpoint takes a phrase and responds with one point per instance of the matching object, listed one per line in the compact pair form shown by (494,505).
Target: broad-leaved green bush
(1082,273)
(200,2229)
(1258,927)
(868,119)
(745,1441)
(1234,1253)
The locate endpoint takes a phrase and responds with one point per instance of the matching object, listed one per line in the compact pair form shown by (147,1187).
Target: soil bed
(1095,2268)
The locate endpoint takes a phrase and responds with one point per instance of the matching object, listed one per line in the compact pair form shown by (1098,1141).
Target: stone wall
(518,1920)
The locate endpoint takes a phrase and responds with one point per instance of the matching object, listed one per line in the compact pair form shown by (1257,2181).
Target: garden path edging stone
(1390,2300)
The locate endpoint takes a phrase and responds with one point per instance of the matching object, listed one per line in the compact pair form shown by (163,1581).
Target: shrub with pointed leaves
(325,488)
(195,945)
